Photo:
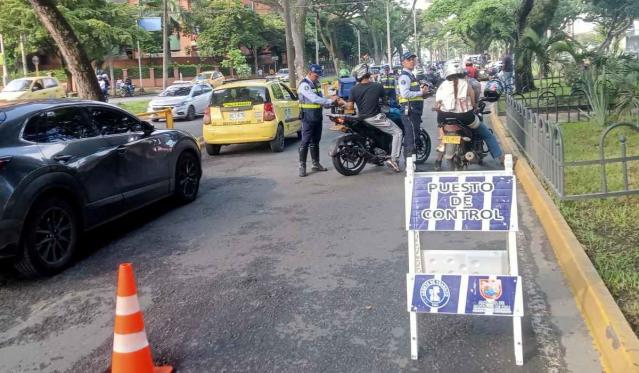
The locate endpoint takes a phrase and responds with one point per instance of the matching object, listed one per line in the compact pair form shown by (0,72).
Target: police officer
(411,100)
(311,102)
(387,79)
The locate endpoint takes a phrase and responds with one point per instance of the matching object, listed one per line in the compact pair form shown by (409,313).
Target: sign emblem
(490,289)
(434,293)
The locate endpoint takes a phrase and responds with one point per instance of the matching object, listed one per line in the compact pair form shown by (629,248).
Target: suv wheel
(187,177)
(50,238)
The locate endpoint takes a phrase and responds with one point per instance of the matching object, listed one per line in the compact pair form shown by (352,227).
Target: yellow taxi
(32,88)
(214,78)
(247,111)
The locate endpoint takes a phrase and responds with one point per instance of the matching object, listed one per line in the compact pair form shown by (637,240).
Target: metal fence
(539,136)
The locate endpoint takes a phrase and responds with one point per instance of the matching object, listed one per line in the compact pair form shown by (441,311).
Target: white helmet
(453,69)
(360,72)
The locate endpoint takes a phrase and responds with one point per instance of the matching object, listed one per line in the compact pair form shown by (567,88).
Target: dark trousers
(311,133)
(412,126)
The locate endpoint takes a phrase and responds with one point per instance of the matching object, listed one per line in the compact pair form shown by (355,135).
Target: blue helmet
(315,68)
(385,66)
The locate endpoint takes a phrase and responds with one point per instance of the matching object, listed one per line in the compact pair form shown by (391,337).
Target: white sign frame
(416,264)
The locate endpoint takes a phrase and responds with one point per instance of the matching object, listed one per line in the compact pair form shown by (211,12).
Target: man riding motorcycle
(455,98)
(367,96)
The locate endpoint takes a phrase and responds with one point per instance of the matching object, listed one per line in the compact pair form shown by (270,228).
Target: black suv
(68,166)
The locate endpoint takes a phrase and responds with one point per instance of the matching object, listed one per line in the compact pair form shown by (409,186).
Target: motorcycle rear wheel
(423,152)
(346,165)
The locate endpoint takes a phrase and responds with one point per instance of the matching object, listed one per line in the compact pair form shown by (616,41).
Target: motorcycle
(127,90)
(462,146)
(363,143)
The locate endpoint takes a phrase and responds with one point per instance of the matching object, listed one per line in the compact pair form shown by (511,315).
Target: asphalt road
(269,272)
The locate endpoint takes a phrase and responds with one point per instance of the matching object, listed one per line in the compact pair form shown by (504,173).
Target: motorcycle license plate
(452,140)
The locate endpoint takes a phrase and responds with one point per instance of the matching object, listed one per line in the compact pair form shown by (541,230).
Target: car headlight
(182,103)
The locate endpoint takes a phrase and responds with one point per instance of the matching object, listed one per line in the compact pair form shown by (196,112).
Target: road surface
(269,272)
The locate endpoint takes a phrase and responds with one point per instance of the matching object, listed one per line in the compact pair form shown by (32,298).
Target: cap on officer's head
(386,66)
(407,56)
(315,68)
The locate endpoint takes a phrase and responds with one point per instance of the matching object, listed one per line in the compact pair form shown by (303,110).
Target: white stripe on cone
(126,343)
(127,305)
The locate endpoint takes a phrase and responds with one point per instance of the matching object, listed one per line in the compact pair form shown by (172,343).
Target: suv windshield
(17,85)
(282,71)
(176,91)
(239,96)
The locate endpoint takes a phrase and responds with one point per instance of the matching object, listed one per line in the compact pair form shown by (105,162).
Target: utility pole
(415,30)
(24,56)
(359,48)
(165,41)
(316,41)
(388,36)
(5,74)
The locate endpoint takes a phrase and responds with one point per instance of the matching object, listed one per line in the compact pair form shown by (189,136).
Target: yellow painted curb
(614,338)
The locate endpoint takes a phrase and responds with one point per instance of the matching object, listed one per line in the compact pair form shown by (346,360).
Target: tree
(614,18)
(70,48)
(229,26)
(534,16)
(479,23)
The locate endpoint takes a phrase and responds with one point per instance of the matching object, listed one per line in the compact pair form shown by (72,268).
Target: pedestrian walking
(507,69)
(311,102)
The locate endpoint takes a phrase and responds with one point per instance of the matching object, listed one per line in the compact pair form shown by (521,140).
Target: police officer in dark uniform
(387,79)
(411,99)
(311,102)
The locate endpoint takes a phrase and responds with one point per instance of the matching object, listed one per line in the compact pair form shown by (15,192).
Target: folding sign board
(463,280)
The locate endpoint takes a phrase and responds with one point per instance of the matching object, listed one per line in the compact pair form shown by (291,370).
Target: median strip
(612,334)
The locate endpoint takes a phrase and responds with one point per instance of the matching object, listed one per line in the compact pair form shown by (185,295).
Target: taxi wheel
(277,144)
(190,113)
(212,149)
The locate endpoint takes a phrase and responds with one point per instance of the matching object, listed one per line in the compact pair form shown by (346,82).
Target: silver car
(185,99)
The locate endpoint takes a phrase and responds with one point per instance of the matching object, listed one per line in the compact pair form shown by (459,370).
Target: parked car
(185,99)
(214,78)
(32,88)
(68,166)
(246,111)
(282,74)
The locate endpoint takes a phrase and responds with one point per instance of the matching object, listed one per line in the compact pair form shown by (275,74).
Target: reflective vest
(416,104)
(388,81)
(310,111)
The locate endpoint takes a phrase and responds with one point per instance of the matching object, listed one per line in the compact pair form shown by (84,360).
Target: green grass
(581,142)
(137,106)
(607,228)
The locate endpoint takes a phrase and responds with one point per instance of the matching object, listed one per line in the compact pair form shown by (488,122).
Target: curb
(614,338)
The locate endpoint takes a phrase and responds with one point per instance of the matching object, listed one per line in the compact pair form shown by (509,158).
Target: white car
(185,99)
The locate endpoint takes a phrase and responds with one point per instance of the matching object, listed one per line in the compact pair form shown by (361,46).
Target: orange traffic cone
(131,351)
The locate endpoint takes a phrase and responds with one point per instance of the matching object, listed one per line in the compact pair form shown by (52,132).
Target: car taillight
(269,113)
(207,115)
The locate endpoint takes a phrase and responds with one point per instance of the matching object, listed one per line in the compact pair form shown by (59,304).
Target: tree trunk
(255,59)
(70,47)
(329,42)
(298,26)
(290,49)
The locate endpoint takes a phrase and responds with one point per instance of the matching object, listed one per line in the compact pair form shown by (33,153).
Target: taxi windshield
(239,95)
(176,91)
(17,85)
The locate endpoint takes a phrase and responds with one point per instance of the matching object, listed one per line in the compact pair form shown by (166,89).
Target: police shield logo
(434,293)
(490,289)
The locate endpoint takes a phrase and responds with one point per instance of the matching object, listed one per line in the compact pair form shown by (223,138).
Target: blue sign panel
(466,294)
(463,203)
